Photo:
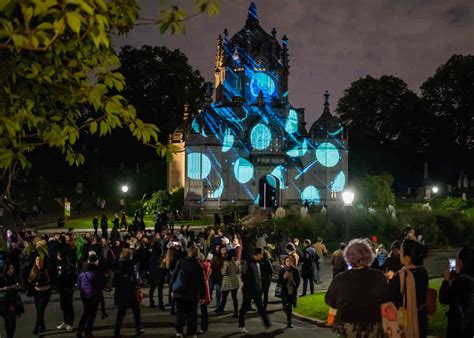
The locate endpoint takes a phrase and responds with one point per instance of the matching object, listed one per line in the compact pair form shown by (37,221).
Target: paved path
(161,324)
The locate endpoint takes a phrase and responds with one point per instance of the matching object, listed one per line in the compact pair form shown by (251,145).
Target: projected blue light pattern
(272,181)
(228,141)
(339,182)
(243,170)
(218,192)
(262,82)
(279,172)
(298,150)
(327,154)
(311,194)
(248,137)
(291,125)
(260,137)
(196,169)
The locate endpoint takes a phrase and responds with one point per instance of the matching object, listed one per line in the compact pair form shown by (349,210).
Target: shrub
(454,204)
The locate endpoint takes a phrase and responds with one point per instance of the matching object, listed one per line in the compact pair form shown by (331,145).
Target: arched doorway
(268,189)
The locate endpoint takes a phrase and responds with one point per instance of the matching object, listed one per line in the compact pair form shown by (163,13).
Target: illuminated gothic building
(250,147)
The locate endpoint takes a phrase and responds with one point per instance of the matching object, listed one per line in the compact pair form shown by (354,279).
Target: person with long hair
(9,292)
(127,280)
(40,282)
(409,287)
(457,291)
(289,279)
(206,300)
(230,282)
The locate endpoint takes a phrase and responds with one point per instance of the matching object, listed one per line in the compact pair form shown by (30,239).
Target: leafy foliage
(454,204)
(58,76)
(164,201)
(376,191)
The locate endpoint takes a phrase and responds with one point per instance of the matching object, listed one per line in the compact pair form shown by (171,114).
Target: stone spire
(252,13)
(219,53)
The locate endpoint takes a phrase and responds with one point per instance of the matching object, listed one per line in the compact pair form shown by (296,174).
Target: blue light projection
(339,182)
(262,82)
(298,150)
(335,133)
(279,172)
(218,192)
(260,137)
(272,181)
(243,170)
(195,125)
(310,194)
(291,125)
(228,141)
(327,154)
(195,166)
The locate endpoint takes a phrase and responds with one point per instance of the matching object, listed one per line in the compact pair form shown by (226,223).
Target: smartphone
(452,264)
(349,267)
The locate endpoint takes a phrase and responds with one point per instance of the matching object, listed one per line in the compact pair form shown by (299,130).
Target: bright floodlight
(348,197)
(435,190)
(124,188)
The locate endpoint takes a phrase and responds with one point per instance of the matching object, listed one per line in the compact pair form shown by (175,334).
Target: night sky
(331,42)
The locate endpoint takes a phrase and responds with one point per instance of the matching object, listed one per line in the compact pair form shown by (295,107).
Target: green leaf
(6,158)
(3,4)
(73,20)
(93,127)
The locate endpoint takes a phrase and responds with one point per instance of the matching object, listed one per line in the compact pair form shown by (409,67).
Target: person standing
(204,302)
(252,288)
(78,207)
(337,260)
(266,267)
(187,283)
(40,283)
(156,276)
(65,280)
(357,294)
(291,251)
(409,286)
(89,287)
(95,225)
(307,267)
(321,251)
(104,225)
(230,282)
(9,288)
(127,280)
(289,279)
(457,291)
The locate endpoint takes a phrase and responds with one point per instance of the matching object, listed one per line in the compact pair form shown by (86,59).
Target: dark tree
(384,120)
(450,102)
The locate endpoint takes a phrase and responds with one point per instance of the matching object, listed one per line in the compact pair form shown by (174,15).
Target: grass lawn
(315,307)
(86,222)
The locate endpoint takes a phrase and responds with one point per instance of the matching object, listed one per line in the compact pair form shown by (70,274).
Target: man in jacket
(307,267)
(252,288)
(66,277)
(187,285)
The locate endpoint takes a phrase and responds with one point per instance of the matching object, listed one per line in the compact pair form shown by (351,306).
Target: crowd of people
(206,266)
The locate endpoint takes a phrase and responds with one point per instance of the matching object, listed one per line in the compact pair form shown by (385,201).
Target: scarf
(408,312)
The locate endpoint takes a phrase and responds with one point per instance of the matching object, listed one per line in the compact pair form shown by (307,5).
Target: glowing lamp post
(124,189)
(435,190)
(348,198)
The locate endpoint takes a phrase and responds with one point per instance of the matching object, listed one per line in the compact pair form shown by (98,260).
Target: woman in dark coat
(156,276)
(457,291)
(40,282)
(126,282)
(9,287)
(289,279)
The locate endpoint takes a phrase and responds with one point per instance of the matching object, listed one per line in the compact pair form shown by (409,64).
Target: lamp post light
(124,188)
(348,198)
(435,189)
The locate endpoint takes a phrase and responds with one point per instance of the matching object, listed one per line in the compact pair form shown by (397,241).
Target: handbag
(139,295)
(178,282)
(431,297)
(278,291)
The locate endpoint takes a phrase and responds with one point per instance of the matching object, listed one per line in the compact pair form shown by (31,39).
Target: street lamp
(124,188)
(435,189)
(348,198)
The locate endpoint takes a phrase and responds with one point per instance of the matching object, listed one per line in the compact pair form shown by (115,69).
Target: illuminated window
(327,154)
(199,166)
(291,125)
(333,195)
(262,82)
(260,137)
(311,194)
(243,170)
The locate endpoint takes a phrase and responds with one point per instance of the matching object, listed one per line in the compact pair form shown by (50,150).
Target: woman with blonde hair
(40,283)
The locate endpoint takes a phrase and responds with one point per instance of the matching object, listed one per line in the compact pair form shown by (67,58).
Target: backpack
(178,283)
(467,315)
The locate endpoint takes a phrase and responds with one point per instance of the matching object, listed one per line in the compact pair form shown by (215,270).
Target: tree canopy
(59,78)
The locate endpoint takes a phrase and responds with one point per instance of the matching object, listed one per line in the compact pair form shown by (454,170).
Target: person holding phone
(457,291)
